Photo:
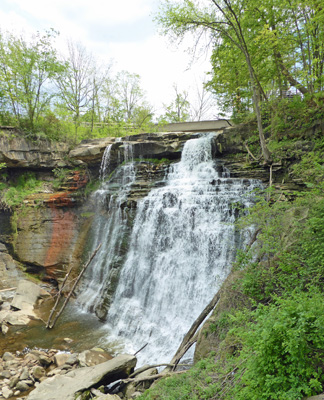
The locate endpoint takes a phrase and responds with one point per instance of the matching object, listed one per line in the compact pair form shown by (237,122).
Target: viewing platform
(199,126)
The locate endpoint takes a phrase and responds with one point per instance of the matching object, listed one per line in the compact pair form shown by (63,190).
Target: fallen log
(189,339)
(146,367)
(192,335)
(50,326)
(152,377)
(59,295)
(7,290)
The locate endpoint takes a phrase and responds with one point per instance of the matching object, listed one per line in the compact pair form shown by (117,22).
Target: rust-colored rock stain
(64,223)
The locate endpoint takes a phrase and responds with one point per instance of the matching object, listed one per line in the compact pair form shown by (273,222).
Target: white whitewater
(104,167)
(181,249)
(108,228)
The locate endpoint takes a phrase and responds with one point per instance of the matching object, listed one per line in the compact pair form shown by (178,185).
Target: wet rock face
(50,230)
(46,237)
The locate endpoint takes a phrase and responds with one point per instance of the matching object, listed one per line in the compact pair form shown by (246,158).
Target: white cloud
(111,11)
(121,30)
(159,67)
(12,21)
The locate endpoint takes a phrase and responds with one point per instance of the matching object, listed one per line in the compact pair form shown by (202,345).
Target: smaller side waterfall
(104,167)
(110,228)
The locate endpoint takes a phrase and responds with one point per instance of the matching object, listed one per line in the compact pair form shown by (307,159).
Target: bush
(284,349)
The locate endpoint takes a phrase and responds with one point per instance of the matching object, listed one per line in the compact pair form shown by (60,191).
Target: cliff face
(49,232)
(18,152)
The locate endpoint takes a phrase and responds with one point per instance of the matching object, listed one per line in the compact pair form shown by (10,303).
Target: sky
(119,31)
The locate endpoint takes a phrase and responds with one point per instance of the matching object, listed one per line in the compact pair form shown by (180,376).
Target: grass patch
(15,194)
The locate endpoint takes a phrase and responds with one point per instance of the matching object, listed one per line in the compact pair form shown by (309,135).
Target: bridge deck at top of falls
(198,126)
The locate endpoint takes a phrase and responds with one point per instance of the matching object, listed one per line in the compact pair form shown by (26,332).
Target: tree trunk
(288,76)
(256,101)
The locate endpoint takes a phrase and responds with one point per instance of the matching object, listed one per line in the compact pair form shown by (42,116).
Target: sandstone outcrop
(18,152)
(50,229)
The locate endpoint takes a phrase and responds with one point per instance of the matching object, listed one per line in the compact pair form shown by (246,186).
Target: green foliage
(311,167)
(87,214)
(257,48)
(283,349)
(178,110)
(25,68)
(66,99)
(156,161)
(197,384)
(60,177)
(15,194)
(91,187)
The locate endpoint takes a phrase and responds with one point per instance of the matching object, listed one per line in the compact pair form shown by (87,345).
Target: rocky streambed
(37,373)
(50,374)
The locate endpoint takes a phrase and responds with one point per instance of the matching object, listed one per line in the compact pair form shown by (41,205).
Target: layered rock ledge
(18,152)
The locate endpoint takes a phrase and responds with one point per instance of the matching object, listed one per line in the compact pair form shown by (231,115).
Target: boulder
(67,386)
(17,318)
(4,328)
(38,372)
(96,356)
(6,392)
(45,360)
(9,271)
(73,359)
(61,358)
(3,248)
(13,381)
(24,374)
(22,386)
(8,356)
(5,374)
(26,297)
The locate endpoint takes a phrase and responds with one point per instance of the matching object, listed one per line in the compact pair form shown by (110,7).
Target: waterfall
(110,229)
(105,162)
(182,244)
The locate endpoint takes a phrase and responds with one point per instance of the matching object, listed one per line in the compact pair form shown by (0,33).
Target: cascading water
(109,228)
(181,248)
(105,162)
